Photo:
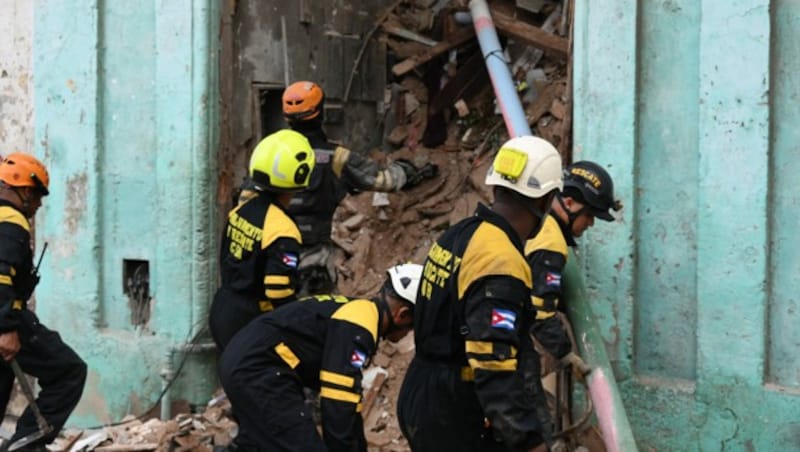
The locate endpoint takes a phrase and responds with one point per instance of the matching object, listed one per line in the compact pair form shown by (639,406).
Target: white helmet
(528,165)
(405,280)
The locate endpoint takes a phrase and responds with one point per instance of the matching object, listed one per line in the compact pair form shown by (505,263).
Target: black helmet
(588,183)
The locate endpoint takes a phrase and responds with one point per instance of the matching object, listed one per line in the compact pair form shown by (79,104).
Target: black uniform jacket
(327,340)
(260,251)
(473,309)
(16,263)
(547,255)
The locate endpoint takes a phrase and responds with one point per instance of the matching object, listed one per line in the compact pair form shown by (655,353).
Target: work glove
(416,175)
(579,366)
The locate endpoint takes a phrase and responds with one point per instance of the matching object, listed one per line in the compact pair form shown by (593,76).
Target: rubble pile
(440,109)
(185,432)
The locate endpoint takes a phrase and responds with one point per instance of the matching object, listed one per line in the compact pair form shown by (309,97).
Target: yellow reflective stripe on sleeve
(338,394)
(479,347)
(467,374)
(287,355)
(359,406)
(17,305)
(9,214)
(541,313)
(504,365)
(340,156)
(265,306)
(544,315)
(13,271)
(485,348)
(363,313)
(5,279)
(337,379)
(279,293)
(278,280)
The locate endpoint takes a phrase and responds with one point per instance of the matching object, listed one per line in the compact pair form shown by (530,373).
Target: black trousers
(229,313)
(438,411)
(266,395)
(61,374)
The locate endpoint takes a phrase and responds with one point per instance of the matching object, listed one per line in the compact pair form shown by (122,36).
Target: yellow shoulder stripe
(550,238)
(337,379)
(338,394)
(11,215)
(278,224)
(363,313)
(490,252)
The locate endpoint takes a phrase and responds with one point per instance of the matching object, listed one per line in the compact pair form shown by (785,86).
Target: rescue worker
(260,247)
(39,351)
(338,172)
(588,194)
(464,389)
(321,342)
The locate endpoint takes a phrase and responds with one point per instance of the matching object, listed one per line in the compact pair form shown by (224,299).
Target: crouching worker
(320,342)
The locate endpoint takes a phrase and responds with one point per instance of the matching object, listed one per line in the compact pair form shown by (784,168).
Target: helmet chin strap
(571,216)
(537,213)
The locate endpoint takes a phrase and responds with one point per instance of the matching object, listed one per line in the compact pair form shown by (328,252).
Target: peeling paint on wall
(16,87)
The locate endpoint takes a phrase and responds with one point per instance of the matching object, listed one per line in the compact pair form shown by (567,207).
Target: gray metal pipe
(168,372)
(502,82)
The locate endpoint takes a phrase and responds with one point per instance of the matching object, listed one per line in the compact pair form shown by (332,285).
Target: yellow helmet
(282,162)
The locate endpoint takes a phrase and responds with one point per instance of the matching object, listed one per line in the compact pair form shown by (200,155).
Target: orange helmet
(302,101)
(24,170)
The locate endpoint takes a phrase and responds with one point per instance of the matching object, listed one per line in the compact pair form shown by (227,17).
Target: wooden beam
(456,39)
(551,44)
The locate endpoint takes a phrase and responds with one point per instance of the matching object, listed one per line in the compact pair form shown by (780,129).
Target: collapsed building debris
(441,109)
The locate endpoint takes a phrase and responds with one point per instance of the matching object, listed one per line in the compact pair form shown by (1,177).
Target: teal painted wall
(693,106)
(126,120)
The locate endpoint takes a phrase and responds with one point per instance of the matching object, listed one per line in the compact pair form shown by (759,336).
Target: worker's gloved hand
(416,175)
(579,366)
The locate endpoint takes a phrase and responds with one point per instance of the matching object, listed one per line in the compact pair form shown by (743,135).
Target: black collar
(498,220)
(5,202)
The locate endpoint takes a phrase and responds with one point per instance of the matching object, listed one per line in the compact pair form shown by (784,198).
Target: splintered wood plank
(456,39)
(555,46)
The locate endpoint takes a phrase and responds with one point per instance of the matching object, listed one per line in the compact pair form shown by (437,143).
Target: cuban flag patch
(289,259)
(503,319)
(552,279)
(358,358)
